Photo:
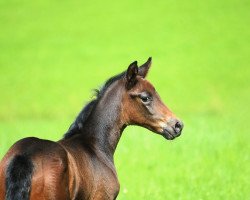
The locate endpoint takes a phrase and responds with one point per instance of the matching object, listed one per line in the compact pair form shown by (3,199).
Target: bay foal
(81,166)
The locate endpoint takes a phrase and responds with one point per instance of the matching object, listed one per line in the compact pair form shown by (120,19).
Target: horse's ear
(143,70)
(131,74)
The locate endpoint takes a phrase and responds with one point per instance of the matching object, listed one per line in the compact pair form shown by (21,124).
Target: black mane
(78,124)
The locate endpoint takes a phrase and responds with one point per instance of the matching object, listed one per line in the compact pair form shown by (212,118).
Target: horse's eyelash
(145,95)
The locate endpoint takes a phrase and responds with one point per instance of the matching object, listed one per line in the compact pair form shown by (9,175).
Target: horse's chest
(101,184)
(106,185)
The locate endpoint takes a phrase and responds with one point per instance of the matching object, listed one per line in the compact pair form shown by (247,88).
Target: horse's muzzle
(173,130)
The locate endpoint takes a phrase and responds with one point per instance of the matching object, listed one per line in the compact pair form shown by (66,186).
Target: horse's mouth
(170,134)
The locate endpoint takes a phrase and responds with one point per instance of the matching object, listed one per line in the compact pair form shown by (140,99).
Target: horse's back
(44,161)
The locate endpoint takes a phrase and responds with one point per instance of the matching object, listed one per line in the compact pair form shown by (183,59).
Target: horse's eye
(145,98)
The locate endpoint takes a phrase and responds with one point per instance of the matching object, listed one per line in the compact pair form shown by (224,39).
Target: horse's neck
(105,123)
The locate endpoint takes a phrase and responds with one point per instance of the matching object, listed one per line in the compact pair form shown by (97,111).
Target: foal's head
(142,105)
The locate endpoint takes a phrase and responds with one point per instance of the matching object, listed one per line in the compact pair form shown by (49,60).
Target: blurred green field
(53,53)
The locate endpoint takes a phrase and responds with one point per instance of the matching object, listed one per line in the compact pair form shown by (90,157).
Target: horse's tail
(18,178)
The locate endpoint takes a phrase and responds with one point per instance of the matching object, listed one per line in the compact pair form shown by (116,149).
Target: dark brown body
(81,165)
(62,173)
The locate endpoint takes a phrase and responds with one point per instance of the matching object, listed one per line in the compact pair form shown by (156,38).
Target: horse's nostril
(178,126)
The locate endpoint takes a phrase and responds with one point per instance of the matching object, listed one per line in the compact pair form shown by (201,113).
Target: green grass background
(52,53)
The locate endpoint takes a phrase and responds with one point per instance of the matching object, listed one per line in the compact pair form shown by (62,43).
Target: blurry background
(53,53)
